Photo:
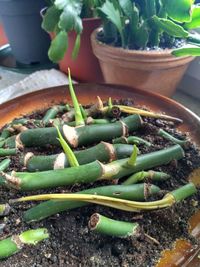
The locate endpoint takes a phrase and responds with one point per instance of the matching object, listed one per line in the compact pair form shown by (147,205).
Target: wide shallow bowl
(183,254)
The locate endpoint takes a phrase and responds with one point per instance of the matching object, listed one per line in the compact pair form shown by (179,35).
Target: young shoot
(132,160)
(78,115)
(68,152)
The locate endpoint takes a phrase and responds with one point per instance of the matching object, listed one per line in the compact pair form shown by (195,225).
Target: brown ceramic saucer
(183,254)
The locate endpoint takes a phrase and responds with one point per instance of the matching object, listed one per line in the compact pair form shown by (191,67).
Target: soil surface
(71,243)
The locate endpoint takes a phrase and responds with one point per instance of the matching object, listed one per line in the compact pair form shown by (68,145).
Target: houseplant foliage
(64,16)
(151,24)
(139,39)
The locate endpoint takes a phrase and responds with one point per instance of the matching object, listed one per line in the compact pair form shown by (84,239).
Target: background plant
(140,24)
(64,16)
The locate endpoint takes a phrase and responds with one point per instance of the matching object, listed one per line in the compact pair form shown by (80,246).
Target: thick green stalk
(91,120)
(7,152)
(104,225)
(171,138)
(131,140)
(52,113)
(104,152)
(184,192)
(91,172)
(51,207)
(141,176)
(4,209)
(4,164)
(14,244)
(75,137)
(105,132)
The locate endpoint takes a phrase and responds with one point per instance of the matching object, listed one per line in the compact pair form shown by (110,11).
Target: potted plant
(142,41)
(22,24)
(108,173)
(70,24)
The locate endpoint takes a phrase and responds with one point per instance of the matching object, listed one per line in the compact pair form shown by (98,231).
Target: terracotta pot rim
(151,54)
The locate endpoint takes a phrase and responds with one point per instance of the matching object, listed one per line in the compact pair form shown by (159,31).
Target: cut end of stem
(94,220)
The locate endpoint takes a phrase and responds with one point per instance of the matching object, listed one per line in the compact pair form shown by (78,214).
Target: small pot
(22,24)
(155,71)
(85,67)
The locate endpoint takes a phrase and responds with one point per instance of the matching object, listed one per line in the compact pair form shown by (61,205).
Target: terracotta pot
(156,71)
(86,66)
(182,254)
(3,38)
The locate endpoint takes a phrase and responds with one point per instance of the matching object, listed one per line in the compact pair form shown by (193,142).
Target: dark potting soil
(71,243)
(166,42)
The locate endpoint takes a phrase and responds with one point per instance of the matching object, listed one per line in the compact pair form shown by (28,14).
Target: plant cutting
(127,189)
(70,24)
(146,44)
(14,244)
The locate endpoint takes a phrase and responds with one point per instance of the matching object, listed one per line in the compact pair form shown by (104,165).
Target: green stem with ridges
(7,152)
(52,113)
(104,225)
(131,140)
(105,132)
(81,135)
(4,164)
(171,138)
(184,192)
(78,115)
(51,207)
(91,172)
(68,152)
(104,152)
(141,176)
(14,244)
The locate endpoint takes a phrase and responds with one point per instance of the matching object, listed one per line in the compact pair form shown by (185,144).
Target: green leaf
(113,14)
(195,22)
(179,10)
(150,8)
(50,19)
(67,19)
(127,7)
(60,4)
(73,162)
(76,47)
(58,47)
(187,51)
(142,36)
(132,12)
(170,27)
(78,25)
